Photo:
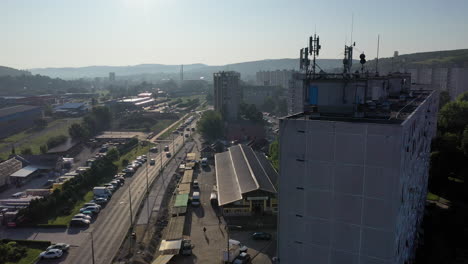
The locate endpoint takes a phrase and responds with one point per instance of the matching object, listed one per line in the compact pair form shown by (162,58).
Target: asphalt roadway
(113,223)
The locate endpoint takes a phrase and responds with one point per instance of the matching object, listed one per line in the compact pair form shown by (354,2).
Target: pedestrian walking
(204,229)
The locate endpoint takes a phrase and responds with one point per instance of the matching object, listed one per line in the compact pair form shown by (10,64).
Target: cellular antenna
(314,49)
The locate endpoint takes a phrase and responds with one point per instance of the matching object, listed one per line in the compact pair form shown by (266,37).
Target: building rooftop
(241,170)
(16,109)
(394,110)
(70,106)
(25,172)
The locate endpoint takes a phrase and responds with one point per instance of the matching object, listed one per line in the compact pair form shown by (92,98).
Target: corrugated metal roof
(184,188)
(244,176)
(25,172)
(228,187)
(240,170)
(188,175)
(70,106)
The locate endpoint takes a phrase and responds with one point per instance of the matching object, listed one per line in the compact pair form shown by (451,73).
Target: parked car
(93,209)
(100,200)
(242,258)
(51,254)
(196,199)
(61,246)
(195,184)
(88,213)
(152,162)
(82,216)
(168,154)
(166,148)
(110,187)
(92,204)
(79,222)
(261,236)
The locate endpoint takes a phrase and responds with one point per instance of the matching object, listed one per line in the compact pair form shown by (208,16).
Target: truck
(234,251)
(102,192)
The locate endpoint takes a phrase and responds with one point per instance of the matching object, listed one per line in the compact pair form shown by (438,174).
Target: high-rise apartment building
(111,76)
(227,94)
(353,170)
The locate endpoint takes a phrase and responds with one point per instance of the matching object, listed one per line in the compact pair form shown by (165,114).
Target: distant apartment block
(227,94)
(295,95)
(353,169)
(17,118)
(256,94)
(277,78)
(454,80)
(111,76)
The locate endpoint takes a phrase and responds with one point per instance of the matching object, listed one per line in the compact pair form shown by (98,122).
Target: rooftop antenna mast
(377,60)
(314,48)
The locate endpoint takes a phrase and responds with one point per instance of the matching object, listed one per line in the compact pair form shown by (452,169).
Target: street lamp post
(92,245)
(227,234)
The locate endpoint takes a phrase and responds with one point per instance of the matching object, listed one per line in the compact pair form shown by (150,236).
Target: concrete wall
(340,188)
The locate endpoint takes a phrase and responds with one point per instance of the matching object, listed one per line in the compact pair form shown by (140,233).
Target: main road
(113,223)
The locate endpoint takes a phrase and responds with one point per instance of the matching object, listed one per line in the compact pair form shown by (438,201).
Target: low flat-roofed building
(7,168)
(71,109)
(23,175)
(246,182)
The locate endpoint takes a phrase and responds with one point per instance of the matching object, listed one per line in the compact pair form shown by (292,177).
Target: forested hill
(7,71)
(433,59)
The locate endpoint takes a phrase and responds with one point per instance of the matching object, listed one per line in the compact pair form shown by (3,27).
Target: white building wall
(340,189)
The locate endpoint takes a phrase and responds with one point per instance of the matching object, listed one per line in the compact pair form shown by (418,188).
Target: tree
(43,149)
(461,97)
(26,151)
(274,154)
(444,98)
(464,141)
(56,141)
(282,108)
(453,117)
(268,105)
(211,125)
(78,132)
(48,110)
(113,154)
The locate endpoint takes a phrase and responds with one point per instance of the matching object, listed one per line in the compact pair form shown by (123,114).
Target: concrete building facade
(276,78)
(454,80)
(227,94)
(353,171)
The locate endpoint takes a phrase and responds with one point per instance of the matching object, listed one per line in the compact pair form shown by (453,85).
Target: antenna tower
(314,48)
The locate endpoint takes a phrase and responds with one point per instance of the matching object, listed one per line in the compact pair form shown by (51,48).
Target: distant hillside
(103,71)
(433,59)
(7,71)
(190,71)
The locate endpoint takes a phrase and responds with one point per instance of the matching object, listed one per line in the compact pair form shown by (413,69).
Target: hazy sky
(62,33)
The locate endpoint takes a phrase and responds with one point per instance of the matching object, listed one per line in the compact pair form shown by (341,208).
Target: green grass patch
(432,197)
(60,127)
(132,154)
(161,125)
(32,255)
(172,129)
(65,219)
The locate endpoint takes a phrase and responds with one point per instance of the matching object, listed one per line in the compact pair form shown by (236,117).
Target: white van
(196,198)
